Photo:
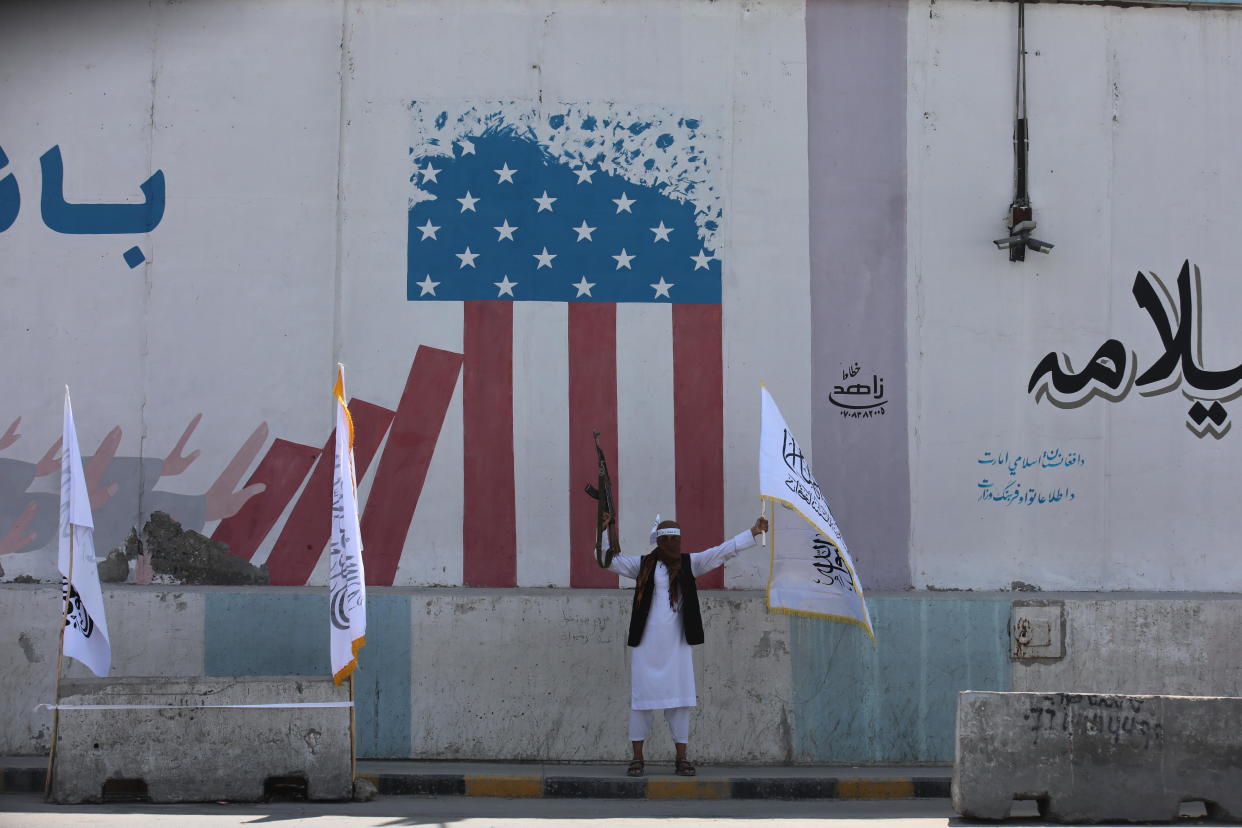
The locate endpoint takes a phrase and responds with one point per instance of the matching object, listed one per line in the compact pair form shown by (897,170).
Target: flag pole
(353,725)
(60,657)
(770,513)
(353,738)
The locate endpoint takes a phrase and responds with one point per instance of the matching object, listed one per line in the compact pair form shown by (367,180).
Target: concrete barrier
(1086,758)
(170,740)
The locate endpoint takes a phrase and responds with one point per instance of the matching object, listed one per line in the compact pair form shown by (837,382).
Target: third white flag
(811,570)
(86,628)
(346,583)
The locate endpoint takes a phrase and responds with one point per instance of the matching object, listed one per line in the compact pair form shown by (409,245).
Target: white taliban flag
(346,585)
(811,571)
(86,628)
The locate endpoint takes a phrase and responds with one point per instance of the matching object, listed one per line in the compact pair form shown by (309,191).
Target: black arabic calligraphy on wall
(859,400)
(1113,370)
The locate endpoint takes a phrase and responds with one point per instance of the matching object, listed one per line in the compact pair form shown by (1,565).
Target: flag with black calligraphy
(346,584)
(811,572)
(86,628)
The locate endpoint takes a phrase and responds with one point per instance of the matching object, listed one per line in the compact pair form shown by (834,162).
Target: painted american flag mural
(591,207)
(592,226)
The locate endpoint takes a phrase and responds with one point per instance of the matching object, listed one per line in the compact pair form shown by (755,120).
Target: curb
(30,780)
(670,787)
(22,780)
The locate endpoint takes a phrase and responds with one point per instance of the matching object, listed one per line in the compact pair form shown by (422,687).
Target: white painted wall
(283,129)
(1133,168)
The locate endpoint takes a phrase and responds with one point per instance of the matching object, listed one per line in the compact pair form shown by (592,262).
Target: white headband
(657,532)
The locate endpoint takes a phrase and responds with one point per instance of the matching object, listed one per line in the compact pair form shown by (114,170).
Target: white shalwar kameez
(662,665)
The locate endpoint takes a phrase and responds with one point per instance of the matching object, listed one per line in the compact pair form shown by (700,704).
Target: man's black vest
(644,589)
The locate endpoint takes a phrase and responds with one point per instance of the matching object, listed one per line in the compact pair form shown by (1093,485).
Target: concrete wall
(538,674)
(845,165)
(1186,644)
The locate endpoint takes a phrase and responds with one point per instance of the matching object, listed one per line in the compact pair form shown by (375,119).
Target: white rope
(187,706)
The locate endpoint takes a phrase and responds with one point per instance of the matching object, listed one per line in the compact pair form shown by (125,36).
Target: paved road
(22,810)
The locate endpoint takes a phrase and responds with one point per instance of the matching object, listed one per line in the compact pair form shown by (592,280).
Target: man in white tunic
(664,624)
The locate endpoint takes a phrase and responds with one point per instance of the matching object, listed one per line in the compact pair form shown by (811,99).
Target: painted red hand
(17,539)
(98,465)
(10,437)
(223,501)
(175,462)
(50,461)
(102,495)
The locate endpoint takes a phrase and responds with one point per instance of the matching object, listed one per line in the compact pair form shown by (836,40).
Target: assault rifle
(605,504)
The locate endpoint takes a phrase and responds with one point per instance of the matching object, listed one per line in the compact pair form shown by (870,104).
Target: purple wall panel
(856,83)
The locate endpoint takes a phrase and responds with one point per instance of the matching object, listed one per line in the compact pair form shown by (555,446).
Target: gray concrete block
(1188,645)
(1087,758)
(198,753)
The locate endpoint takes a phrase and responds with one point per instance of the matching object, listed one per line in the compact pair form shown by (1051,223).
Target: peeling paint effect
(766,646)
(786,732)
(180,556)
(680,159)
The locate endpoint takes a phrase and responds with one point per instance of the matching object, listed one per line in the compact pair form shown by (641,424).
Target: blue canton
(509,222)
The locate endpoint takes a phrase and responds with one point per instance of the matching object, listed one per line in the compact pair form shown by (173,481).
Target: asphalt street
(23,810)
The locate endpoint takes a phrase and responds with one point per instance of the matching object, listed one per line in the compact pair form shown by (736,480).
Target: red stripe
(592,407)
(489,530)
(403,466)
(698,429)
(301,542)
(281,470)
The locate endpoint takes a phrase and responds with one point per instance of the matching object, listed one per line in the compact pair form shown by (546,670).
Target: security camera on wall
(1019,240)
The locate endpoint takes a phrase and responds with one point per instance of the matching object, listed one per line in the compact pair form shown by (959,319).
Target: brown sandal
(635,768)
(684,768)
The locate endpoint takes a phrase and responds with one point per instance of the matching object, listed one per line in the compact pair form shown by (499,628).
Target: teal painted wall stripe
(267,634)
(894,700)
(383,681)
(264,634)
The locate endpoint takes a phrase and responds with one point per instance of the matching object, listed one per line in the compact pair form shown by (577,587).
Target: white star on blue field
(508,221)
